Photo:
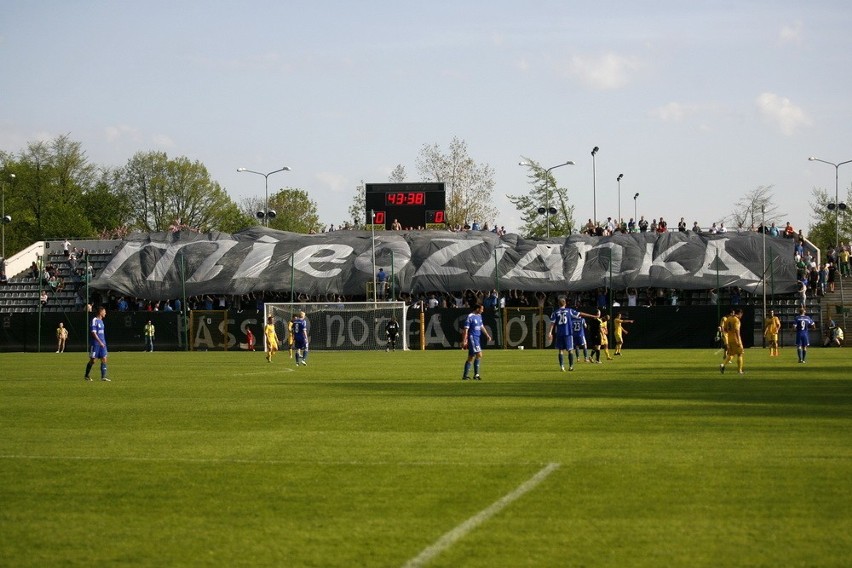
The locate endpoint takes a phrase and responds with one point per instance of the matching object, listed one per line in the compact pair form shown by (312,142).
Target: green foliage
(823,229)
(357,211)
(295,211)
(167,192)
(544,191)
(365,459)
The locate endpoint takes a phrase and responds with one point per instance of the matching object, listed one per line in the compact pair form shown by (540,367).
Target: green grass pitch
(369,459)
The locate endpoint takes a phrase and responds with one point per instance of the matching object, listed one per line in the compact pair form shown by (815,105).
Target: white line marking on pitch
(456,534)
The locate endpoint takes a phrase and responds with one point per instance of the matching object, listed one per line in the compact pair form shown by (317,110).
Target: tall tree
(823,230)
(544,193)
(398,174)
(167,191)
(470,186)
(51,178)
(754,206)
(294,210)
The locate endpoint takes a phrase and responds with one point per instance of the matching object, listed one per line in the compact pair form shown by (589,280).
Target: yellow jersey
(269,332)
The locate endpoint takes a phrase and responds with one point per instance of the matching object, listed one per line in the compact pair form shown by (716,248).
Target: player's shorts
(735,347)
(579,339)
(301,343)
(272,345)
(604,341)
(772,338)
(564,342)
(618,339)
(473,346)
(802,339)
(97,352)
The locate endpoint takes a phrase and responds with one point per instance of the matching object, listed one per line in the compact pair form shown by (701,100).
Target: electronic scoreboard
(413,205)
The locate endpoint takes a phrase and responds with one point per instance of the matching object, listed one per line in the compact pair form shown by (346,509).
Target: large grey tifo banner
(156,265)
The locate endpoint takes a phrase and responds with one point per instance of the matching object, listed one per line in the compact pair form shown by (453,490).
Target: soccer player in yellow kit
(771,327)
(271,338)
(734,341)
(619,331)
(290,338)
(604,338)
(724,336)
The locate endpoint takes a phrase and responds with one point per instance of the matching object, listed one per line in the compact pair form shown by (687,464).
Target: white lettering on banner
(305,256)
(384,247)
(552,257)
(521,323)
(733,268)
(120,257)
(582,253)
(648,261)
(434,263)
(208,269)
(490,267)
(362,334)
(616,255)
(256,261)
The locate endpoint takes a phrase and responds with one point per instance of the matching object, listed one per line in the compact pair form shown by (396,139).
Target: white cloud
(781,113)
(335,182)
(675,112)
(791,33)
(604,72)
(163,141)
(120,132)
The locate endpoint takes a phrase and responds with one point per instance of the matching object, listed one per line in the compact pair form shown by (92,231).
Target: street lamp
(594,186)
(836,206)
(618,179)
(267,213)
(635,220)
(4,219)
(547,210)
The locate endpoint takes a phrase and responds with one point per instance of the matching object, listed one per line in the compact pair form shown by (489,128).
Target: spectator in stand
(653,227)
(475,225)
(631,226)
(662,226)
(681,226)
(714,297)
(695,227)
(66,248)
(632,297)
(590,228)
(714,229)
(789,232)
(802,293)
(773,230)
(832,276)
(643,224)
(122,304)
(799,250)
(43,298)
(822,279)
(843,260)
(722,228)
(396,225)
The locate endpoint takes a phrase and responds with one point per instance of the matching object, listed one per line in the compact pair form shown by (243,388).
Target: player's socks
(585,354)
(103,370)
(88,368)
(476,367)
(561,360)
(305,355)
(466,368)
(570,359)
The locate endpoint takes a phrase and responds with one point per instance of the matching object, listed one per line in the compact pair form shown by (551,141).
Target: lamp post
(267,213)
(547,210)
(4,219)
(836,206)
(635,220)
(618,179)
(594,186)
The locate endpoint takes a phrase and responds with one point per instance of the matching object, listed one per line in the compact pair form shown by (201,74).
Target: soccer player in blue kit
(473,328)
(563,320)
(300,333)
(97,345)
(802,324)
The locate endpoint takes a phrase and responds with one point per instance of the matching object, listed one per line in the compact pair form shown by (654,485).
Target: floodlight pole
(618,179)
(594,186)
(266,183)
(836,226)
(547,212)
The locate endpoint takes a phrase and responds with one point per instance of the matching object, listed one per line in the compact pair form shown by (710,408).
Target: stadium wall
(653,327)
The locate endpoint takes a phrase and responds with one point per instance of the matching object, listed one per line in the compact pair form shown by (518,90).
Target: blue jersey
(564,319)
(300,331)
(98,329)
(803,323)
(473,325)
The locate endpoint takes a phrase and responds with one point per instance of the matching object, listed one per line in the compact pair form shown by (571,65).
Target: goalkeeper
(392,332)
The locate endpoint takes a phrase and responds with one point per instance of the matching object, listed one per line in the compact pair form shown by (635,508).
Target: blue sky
(696,103)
